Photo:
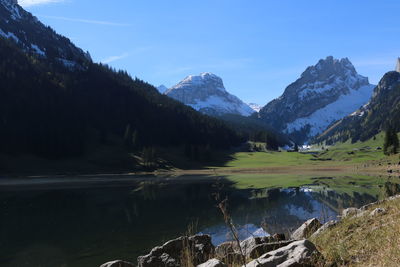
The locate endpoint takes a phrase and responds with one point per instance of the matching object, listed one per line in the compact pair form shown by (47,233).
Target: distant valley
(324,94)
(79,105)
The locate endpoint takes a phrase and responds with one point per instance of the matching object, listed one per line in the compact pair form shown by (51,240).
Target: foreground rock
(306,229)
(350,212)
(196,249)
(213,263)
(226,248)
(324,227)
(233,258)
(377,211)
(247,245)
(261,249)
(298,253)
(117,263)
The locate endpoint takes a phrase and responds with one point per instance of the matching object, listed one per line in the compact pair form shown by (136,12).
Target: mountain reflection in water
(89,225)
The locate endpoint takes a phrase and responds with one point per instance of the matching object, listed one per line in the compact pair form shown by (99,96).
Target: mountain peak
(9,2)
(162,89)
(204,79)
(325,92)
(256,107)
(329,66)
(13,8)
(206,93)
(29,34)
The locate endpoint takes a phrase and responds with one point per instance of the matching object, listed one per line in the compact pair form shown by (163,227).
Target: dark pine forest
(52,111)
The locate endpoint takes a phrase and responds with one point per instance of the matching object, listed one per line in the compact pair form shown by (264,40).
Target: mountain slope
(323,94)
(382,111)
(256,107)
(30,35)
(55,111)
(206,93)
(162,89)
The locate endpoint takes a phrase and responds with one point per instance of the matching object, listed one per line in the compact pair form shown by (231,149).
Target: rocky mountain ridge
(382,111)
(256,107)
(324,93)
(32,36)
(207,94)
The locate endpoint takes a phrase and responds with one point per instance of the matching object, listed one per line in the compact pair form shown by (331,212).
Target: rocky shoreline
(275,250)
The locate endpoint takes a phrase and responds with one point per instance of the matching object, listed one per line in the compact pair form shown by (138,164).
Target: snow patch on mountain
(206,93)
(9,35)
(33,37)
(322,118)
(13,8)
(68,63)
(324,93)
(221,105)
(37,50)
(255,107)
(201,80)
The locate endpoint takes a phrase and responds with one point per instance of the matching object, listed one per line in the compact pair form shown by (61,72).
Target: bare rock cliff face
(324,93)
(28,33)
(207,94)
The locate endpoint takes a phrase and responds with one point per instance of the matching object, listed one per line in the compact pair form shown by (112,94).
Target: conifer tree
(391,142)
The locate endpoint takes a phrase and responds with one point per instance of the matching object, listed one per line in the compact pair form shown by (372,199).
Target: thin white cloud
(28,3)
(133,52)
(99,22)
(115,58)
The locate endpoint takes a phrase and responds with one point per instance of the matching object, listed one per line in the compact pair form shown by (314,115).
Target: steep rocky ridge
(324,93)
(207,94)
(32,36)
(382,111)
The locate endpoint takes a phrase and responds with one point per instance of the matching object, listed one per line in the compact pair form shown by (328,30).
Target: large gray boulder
(324,227)
(306,229)
(353,212)
(196,249)
(298,253)
(250,243)
(226,248)
(350,212)
(261,249)
(212,263)
(117,263)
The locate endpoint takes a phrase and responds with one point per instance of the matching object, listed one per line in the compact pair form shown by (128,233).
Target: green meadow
(333,167)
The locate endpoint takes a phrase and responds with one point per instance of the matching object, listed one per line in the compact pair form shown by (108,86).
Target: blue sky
(258,47)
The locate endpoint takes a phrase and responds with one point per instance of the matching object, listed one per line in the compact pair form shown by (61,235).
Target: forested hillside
(53,111)
(380,114)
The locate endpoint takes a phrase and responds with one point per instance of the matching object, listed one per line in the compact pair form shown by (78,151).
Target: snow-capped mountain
(324,93)
(33,37)
(162,89)
(206,93)
(380,113)
(255,107)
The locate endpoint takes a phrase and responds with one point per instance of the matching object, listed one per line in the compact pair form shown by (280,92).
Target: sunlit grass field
(327,166)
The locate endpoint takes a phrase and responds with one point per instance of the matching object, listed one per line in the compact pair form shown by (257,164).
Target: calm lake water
(88,221)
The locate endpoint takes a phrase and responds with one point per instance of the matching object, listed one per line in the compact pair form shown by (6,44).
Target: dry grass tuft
(365,240)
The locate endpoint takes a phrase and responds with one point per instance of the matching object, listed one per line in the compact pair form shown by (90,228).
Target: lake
(86,221)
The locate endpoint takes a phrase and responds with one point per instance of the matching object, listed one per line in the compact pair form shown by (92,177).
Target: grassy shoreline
(366,240)
(269,168)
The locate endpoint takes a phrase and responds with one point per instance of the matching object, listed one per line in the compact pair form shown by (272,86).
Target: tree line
(54,112)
